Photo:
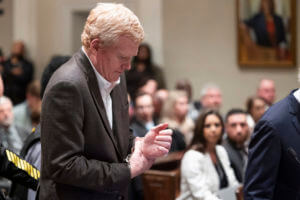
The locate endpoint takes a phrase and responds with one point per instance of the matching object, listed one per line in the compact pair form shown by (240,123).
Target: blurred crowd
(198,127)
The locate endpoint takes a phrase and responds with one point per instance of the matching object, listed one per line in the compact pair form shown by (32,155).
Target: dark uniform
(18,170)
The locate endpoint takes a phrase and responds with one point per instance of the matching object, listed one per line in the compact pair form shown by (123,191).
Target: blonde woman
(175,111)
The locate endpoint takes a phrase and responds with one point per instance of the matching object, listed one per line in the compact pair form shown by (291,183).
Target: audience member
(30,108)
(143,120)
(174,113)
(205,167)
(210,98)
(256,107)
(267,91)
(159,98)
(143,67)
(18,73)
(148,86)
(185,85)
(12,136)
(237,133)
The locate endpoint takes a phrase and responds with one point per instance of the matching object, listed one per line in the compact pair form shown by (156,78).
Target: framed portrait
(266,33)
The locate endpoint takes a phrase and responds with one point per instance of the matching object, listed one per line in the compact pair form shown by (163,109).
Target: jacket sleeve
(63,144)
(18,170)
(263,163)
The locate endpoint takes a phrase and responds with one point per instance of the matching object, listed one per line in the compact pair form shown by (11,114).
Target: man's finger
(166,145)
(159,127)
(163,138)
(166,132)
(162,150)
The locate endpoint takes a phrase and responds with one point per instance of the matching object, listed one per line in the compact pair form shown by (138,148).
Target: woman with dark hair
(205,167)
(143,67)
(256,107)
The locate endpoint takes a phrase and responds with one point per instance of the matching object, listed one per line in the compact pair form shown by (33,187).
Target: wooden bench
(162,181)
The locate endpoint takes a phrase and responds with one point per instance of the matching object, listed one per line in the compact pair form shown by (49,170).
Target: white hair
(207,87)
(4,100)
(109,21)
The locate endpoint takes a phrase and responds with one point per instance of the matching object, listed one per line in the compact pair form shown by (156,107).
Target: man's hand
(138,162)
(157,142)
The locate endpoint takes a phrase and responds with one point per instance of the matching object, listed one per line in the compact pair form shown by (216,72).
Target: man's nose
(238,128)
(127,66)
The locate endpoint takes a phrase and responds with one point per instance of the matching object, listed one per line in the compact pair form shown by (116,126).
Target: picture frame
(266,32)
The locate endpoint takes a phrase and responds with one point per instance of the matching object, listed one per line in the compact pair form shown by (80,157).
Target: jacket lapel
(95,92)
(294,108)
(117,107)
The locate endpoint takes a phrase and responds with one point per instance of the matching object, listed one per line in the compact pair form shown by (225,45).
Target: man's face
(18,48)
(112,61)
(258,109)
(267,91)
(6,114)
(212,99)
(150,87)
(181,107)
(237,128)
(144,108)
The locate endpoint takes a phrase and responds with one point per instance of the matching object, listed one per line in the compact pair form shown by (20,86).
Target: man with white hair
(210,98)
(12,136)
(88,151)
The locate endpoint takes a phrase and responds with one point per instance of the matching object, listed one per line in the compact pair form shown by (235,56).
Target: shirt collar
(107,86)
(297,95)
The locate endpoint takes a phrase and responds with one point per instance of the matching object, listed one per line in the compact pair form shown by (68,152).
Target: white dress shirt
(297,95)
(105,88)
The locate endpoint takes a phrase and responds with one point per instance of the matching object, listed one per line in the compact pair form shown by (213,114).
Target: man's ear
(95,45)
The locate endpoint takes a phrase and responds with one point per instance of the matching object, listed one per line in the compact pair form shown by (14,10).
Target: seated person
(256,107)
(24,111)
(12,136)
(205,167)
(237,134)
(210,98)
(143,119)
(175,110)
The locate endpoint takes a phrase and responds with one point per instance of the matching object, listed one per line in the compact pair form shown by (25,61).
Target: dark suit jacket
(273,170)
(236,159)
(82,158)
